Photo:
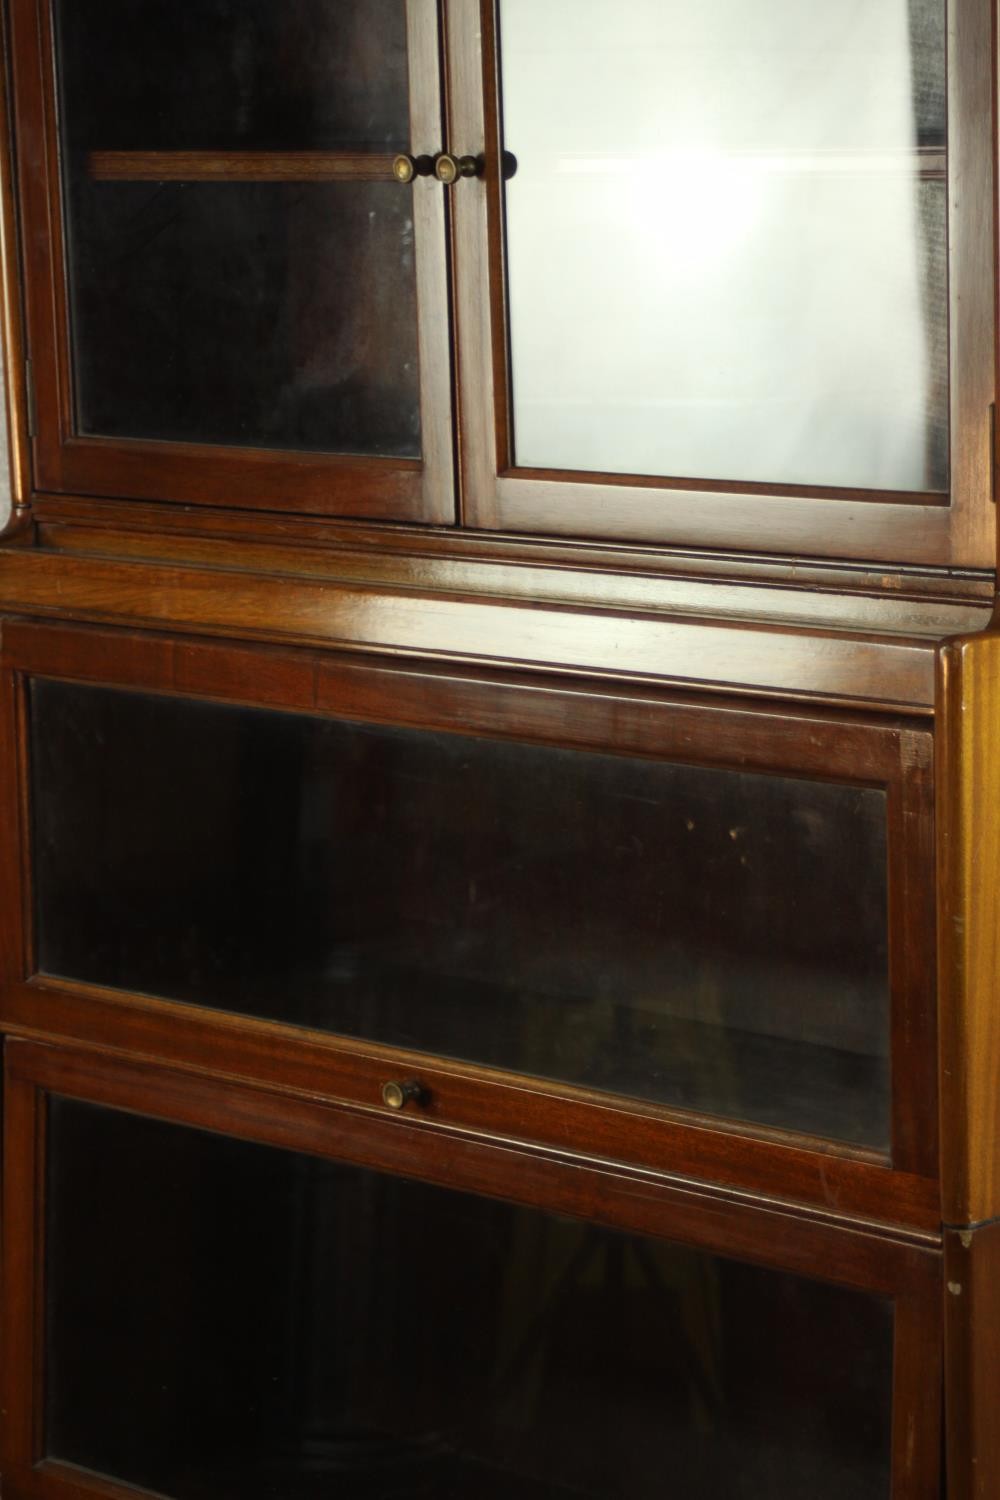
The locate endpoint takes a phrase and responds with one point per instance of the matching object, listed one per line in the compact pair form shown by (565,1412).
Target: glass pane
(209,302)
(746,203)
(230,1322)
(221,74)
(702,938)
(261,314)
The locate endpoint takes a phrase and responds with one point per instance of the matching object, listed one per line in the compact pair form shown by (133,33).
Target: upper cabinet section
(251,307)
(717,275)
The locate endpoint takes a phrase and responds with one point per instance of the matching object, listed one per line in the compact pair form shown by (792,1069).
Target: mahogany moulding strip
(897,672)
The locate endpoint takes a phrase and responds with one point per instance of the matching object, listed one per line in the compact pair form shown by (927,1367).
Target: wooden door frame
(956,529)
(207,474)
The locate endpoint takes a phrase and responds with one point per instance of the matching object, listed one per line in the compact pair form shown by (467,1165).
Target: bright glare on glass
(726,239)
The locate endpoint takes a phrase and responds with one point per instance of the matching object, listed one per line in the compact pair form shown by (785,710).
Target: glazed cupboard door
(738,291)
(237,291)
(240,1296)
(652,930)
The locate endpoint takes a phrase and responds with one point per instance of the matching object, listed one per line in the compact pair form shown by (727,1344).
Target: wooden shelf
(240,166)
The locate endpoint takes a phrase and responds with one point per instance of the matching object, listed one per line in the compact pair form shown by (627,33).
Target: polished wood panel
(972,269)
(795,1171)
(432,230)
(968,802)
(917,1398)
(874,1258)
(17,403)
(972,1340)
(482,415)
(505,567)
(895,671)
(916,603)
(24,1205)
(770,522)
(202,474)
(813,740)
(804,575)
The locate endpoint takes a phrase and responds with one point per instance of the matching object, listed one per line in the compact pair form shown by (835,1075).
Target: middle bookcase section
(704,938)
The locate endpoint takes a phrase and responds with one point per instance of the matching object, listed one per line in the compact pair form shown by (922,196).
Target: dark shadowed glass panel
(746,201)
(703,938)
(270,315)
(253,313)
(225,1321)
(148,75)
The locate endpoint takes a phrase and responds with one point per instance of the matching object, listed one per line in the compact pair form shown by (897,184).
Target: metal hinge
(30,398)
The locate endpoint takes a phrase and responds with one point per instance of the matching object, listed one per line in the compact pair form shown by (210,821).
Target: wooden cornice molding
(863,653)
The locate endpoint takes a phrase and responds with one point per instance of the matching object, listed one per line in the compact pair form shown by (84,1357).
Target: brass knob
(405,168)
(399,1095)
(449,169)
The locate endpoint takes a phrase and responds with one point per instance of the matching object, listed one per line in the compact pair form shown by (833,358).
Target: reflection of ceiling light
(698,206)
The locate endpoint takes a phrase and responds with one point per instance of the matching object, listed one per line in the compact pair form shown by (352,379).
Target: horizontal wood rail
(892,671)
(376,166)
(241,166)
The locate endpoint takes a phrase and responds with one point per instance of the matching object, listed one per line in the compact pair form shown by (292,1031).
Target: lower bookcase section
(217,1292)
(229,1321)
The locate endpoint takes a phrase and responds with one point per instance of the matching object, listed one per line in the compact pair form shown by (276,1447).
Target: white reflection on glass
(726,239)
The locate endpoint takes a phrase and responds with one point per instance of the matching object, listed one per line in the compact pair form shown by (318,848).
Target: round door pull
(449,169)
(399,1095)
(405,168)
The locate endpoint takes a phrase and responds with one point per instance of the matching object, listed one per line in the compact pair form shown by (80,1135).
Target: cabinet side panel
(972,1343)
(968,929)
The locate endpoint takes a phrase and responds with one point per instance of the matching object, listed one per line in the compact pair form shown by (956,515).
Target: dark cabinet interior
(307,75)
(247,265)
(278,312)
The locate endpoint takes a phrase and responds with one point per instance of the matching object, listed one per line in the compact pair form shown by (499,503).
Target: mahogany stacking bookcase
(500,729)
